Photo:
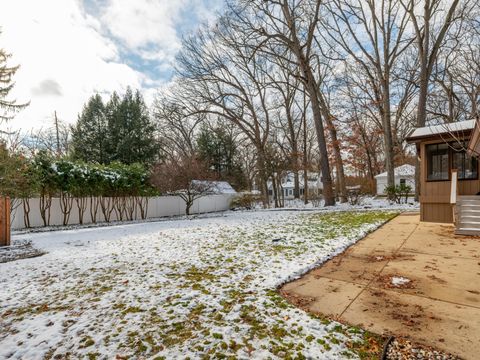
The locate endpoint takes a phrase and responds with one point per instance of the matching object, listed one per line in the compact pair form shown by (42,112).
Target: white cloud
(143,23)
(66,53)
(151,27)
(61,54)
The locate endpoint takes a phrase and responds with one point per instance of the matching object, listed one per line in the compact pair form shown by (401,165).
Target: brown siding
(435,195)
(436,212)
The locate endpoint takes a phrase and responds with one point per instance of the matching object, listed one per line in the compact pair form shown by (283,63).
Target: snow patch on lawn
(399,281)
(176,289)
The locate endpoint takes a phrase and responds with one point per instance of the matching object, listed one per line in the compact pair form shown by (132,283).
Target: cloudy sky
(69,49)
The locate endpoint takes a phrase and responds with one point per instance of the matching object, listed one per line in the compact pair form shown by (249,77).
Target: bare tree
(377,53)
(222,77)
(432,23)
(455,87)
(55,139)
(186,177)
(288,124)
(176,127)
(277,26)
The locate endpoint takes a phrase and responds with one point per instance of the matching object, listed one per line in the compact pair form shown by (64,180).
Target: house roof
(404,170)
(438,130)
(474,143)
(218,187)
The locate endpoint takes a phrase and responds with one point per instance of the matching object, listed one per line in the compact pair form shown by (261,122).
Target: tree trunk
(263,177)
(387,132)
(45,205)
(305,153)
(342,189)
(312,90)
(328,195)
(275,191)
(26,212)
(281,199)
(296,184)
(93,209)
(189,204)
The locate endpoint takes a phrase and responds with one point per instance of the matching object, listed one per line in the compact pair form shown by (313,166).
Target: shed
(217,187)
(404,174)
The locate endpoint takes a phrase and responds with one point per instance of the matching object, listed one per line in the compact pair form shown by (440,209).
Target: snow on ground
(175,289)
(366,203)
(20,250)
(399,281)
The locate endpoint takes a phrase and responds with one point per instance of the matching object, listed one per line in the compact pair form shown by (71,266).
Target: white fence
(159,206)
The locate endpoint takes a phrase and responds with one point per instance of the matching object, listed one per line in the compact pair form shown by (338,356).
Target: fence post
(4,221)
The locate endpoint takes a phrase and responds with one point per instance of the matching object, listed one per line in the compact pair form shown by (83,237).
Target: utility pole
(57,134)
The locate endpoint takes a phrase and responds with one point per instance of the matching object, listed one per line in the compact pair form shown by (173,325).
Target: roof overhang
(456,130)
(473,148)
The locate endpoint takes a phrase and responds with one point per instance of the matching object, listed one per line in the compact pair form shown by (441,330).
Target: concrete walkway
(409,279)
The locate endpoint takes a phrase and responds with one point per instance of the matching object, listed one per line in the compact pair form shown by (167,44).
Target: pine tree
(218,149)
(8,108)
(120,130)
(131,131)
(89,135)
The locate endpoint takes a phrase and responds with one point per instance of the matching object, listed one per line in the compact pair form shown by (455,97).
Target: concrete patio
(409,279)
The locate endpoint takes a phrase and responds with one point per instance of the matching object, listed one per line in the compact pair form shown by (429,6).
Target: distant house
(404,174)
(314,185)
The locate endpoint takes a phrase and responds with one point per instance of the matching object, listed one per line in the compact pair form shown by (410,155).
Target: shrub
(245,201)
(355,195)
(315,199)
(398,193)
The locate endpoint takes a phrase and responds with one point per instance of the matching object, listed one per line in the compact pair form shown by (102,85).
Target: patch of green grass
(132,310)
(86,342)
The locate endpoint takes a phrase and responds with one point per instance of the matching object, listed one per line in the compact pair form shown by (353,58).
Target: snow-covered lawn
(201,288)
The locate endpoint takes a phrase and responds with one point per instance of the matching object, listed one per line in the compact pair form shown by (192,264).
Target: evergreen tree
(112,114)
(131,131)
(89,135)
(217,148)
(120,130)
(7,107)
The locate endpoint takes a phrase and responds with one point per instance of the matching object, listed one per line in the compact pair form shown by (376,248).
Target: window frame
(449,162)
(450,154)
(453,152)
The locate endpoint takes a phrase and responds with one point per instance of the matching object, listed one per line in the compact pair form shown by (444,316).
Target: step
(468,203)
(477,200)
(468,219)
(468,197)
(468,224)
(469,213)
(467,231)
(473,210)
(469,206)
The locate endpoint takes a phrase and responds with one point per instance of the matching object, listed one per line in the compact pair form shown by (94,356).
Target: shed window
(403,181)
(466,166)
(437,162)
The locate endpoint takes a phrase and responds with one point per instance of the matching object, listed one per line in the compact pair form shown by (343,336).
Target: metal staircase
(467,215)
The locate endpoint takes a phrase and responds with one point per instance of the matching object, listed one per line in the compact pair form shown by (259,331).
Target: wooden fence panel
(4,221)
